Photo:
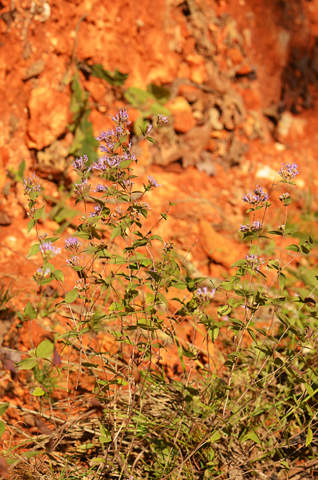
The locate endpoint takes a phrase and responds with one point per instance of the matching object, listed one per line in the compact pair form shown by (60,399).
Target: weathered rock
(235,56)
(290,129)
(49,116)
(198,73)
(35,69)
(182,114)
(218,247)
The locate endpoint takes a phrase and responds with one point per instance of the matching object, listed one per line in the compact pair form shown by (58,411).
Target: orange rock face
(49,116)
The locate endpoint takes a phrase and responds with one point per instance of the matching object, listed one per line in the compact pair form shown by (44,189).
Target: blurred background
(237,79)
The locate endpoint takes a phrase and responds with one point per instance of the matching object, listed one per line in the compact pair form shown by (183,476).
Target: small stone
(235,56)
(214,118)
(182,114)
(245,69)
(198,73)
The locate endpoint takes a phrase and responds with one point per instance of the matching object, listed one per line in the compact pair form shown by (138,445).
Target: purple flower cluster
(256,198)
(97,211)
(284,196)
(49,251)
(128,183)
(74,261)
(256,227)
(100,188)
(72,244)
(118,212)
(152,182)
(122,118)
(162,120)
(288,171)
(79,164)
(80,187)
(205,295)
(42,273)
(103,163)
(254,262)
(31,184)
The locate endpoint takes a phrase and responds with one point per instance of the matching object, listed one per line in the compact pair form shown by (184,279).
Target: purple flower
(103,163)
(205,295)
(122,118)
(74,261)
(148,128)
(256,227)
(79,164)
(42,273)
(152,182)
(97,211)
(118,212)
(80,187)
(128,183)
(256,198)
(284,196)
(162,120)
(109,138)
(100,188)
(72,244)
(48,250)
(31,184)
(288,171)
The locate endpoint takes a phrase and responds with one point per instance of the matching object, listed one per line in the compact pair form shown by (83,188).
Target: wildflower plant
(240,385)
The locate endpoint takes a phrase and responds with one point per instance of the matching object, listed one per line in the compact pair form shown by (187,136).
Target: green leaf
(282,281)
(293,248)
(162,94)
(45,349)
(251,436)
(283,319)
(31,225)
(125,163)
(224,310)
(137,97)
(213,332)
(28,363)
(309,389)
(309,437)
(117,78)
(45,281)
(38,214)
(4,407)
(59,275)
(30,312)
(215,437)
(156,237)
(252,334)
(2,428)
(103,439)
(37,392)
(34,250)
(71,296)
(115,233)
(188,353)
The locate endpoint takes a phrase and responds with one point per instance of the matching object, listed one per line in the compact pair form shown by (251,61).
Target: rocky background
(238,79)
